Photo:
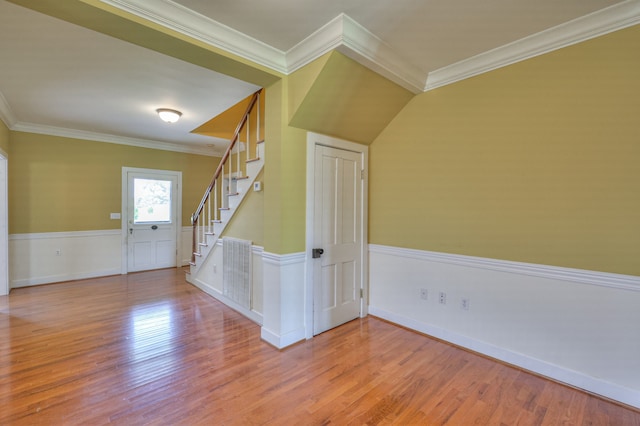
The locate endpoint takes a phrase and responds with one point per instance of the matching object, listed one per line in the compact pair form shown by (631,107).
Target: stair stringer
(253,169)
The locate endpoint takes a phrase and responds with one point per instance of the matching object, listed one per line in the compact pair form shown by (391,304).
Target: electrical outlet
(424,294)
(58,252)
(464,303)
(443,298)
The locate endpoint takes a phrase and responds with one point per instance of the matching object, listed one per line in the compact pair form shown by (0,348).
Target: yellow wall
(346,99)
(4,138)
(284,176)
(59,184)
(536,162)
(248,221)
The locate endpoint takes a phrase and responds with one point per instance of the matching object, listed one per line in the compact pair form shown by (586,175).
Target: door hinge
(361,174)
(361,294)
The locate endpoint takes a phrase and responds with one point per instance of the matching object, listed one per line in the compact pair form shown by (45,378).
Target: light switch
(114,216)
(257,186)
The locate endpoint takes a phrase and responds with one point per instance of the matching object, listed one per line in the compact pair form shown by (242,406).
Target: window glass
(152,200)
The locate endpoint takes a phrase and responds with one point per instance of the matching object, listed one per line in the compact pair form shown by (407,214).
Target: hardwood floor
(148,348)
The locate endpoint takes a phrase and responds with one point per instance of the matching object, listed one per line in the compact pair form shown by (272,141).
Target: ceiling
(60,78)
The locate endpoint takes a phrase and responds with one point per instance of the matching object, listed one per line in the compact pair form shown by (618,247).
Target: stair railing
(217,193)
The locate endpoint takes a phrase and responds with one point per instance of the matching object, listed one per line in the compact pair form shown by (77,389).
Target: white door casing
(4,225)
(336,223)
(149,243)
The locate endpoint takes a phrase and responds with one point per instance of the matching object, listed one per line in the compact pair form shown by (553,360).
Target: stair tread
(253,160)
(260,141)
(234,194)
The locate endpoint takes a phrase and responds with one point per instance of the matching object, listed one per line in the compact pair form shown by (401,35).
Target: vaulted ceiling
(75,79)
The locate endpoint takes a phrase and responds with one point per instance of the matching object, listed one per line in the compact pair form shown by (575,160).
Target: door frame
(5,286)
(124,212)
(314,139)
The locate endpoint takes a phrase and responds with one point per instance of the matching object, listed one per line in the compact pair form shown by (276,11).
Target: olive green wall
(346,100)
(59,184)
(284,175)
(4,137)
(248,221)
(536,162)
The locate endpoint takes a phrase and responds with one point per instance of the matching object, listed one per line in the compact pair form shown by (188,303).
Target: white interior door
(151,219)
(337,272)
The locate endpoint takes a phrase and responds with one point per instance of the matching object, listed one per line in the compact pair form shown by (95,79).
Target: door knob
(316,253)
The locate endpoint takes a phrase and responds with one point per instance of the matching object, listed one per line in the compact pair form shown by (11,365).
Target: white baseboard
(217,294)
(570,325)
(573,378)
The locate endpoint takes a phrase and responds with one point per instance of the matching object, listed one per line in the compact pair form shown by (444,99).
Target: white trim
(314,139)
(283,299)
(613,18)
(349,37)
(48,279)
(558,373)
(124,213)
(70,234)
(283,259)
(217,294)
(106,138)
(190,23)
(6,114)
(603,279)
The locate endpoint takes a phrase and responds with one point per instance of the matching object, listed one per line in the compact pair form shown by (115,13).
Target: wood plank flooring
(148,348)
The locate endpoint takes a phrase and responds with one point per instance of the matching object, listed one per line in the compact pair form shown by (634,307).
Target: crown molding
(352,39)
(6,114)
(107,138)
(190,23)
(596,24)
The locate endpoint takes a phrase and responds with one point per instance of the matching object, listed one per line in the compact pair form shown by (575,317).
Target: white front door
(337,231)
(152,200)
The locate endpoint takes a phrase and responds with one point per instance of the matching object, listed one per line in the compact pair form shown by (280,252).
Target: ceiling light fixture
(169,115)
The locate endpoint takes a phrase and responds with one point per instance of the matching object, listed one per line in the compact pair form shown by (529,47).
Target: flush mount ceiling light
(169,115)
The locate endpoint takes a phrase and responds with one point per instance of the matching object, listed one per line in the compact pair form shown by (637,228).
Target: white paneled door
(337,266)
(151,219)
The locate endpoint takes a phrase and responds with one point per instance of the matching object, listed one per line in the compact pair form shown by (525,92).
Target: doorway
(151,217)
(336,232)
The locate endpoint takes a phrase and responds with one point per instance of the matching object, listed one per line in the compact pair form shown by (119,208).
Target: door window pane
(152,200)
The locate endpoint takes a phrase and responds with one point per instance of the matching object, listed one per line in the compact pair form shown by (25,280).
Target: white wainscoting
(186,245)
(61,256)
(284,299)
(575,326)
(209,279)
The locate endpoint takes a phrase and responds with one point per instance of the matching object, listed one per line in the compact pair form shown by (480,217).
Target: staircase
(232,180)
